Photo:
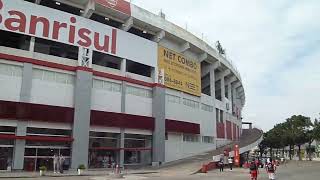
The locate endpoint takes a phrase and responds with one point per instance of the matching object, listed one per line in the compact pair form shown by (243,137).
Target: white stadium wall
(93,98)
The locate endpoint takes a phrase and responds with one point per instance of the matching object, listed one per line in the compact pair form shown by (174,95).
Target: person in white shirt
(230,162)
(55,163)
(61,162)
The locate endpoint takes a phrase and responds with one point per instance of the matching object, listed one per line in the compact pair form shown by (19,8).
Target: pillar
(122,130)
(25,96)
(81,123)
(158,112)
(121,146)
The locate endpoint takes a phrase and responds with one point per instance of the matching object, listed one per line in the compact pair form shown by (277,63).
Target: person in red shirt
(271,169)
(253,170)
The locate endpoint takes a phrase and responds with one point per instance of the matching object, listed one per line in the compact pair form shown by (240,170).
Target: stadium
(105,82)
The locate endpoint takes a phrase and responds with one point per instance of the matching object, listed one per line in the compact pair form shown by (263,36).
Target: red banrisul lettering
(85,41)
(16,24)
(44,27)
(56,29)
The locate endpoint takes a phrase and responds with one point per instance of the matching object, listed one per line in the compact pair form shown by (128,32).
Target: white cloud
(275,45)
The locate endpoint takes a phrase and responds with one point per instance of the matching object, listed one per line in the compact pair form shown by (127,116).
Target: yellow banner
(179,72)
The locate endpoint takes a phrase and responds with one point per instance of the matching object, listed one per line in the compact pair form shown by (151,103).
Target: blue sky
(275,45)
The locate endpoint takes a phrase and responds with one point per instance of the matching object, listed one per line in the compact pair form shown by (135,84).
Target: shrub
(81,166)
(43,168)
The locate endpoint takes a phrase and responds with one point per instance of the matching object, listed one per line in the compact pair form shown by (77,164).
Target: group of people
(270,167)
(221,163)
(58,161)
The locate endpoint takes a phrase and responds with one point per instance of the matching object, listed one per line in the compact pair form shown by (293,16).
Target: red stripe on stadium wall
(220,130)
(229,130)
(118,5)
(74,68)
(37,62)
(234,132)
(182,127)
(112,119)
(35,112)
(37,138)
(55,114)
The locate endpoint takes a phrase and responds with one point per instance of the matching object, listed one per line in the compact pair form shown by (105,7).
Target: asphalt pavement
(294,170)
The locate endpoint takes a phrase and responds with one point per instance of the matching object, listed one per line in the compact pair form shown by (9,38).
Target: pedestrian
(230,162)
(61,162)
(221,164)
(253,170)
(55,163)
(271,169)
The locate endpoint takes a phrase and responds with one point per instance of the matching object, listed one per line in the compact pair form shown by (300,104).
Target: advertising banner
(118,5)
(236,155)
(180,73)
(42,22)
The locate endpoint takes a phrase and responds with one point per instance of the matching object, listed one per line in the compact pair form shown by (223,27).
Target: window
(137,68)
(106,60)
(48,132)
(52,76)
(221,116)
(14,40)
(173,99)
(207,139)
(226,91)
(136,91)
(106,20)
(10,70)
(7,129)
(106,85)
(191,103)
(190,138)
(205,84)
(207,107)
(217,115)
(218,90)
(142,33)
(56,49)
(60,6)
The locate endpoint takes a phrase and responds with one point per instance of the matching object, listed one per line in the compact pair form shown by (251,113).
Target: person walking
(55,163)
(271,168)
(230,162)
(253,170)
(221,164)
(61,162)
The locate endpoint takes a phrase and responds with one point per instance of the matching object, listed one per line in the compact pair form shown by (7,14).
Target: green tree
(297,128)
(316,130)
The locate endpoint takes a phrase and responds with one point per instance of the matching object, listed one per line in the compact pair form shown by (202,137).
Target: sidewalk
(69,173)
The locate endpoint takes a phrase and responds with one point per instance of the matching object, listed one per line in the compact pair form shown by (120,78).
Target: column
(224,102)
(212,83)
(223,90)
(230,97)
(121,146)
(81,123)
(158,112)
(213,97)
(123,110)
(25,95)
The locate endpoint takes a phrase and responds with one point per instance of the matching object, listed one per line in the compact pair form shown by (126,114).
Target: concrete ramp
(249,139)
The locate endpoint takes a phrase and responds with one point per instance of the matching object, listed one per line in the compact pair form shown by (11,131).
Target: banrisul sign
(43,22)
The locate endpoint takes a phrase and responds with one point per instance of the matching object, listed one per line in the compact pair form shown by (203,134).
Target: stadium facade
(105,81)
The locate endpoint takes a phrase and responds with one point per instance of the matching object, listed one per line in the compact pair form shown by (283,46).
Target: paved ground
(293,171)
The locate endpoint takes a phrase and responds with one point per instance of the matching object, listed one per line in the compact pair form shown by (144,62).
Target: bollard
(117,169)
